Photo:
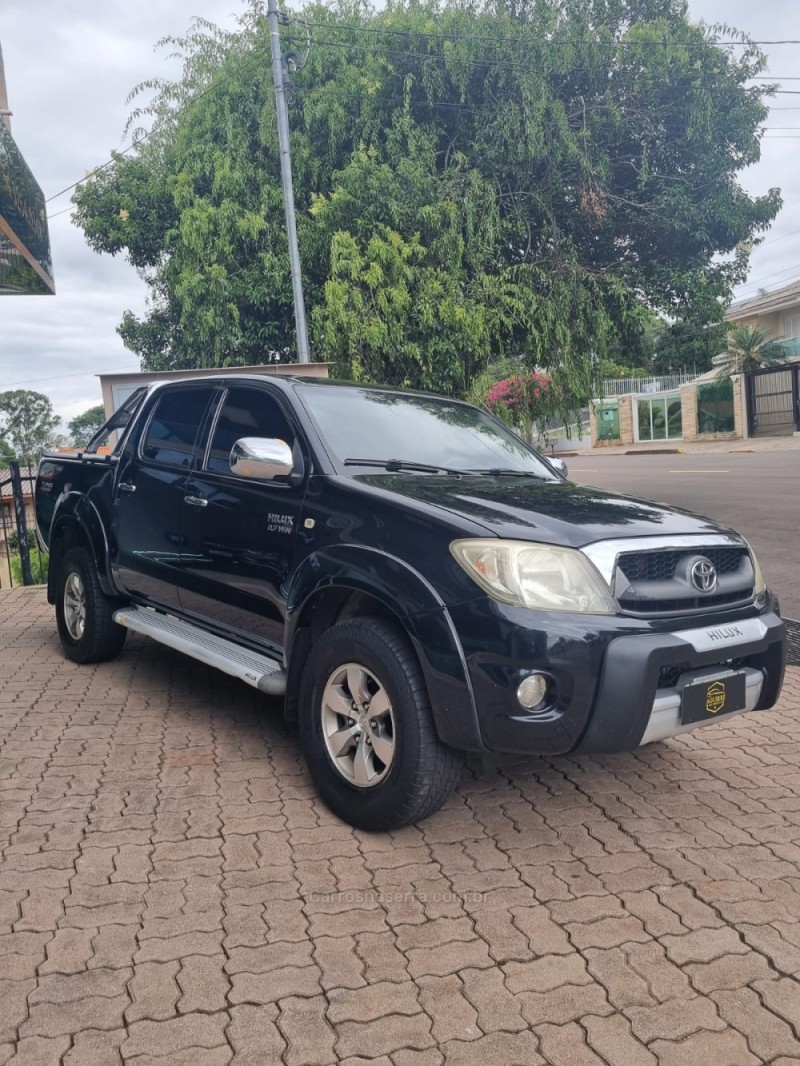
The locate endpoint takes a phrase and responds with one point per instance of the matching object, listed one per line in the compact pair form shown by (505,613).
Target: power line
(146,136)
(766,277)
(63,211)
(411,55)
(522,68)
(97,170)
(774,240)
(60,377)
(489,62)
(568,42)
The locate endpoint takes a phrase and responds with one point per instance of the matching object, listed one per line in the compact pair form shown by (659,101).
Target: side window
(172,432)
(245,413)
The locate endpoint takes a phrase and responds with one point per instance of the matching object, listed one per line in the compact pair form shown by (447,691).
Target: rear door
(238,534)
(150,486)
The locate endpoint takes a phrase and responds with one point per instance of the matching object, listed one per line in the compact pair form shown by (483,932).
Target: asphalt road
(756,493)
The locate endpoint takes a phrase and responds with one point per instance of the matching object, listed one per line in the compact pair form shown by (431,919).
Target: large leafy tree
(27,425)
(503,180)
(84,426)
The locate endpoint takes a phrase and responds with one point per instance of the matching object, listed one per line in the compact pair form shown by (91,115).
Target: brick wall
(689,414)
(625,424)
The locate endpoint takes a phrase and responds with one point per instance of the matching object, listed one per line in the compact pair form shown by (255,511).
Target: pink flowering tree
(525,401)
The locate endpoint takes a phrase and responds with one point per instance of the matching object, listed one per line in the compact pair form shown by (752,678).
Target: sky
(70,65)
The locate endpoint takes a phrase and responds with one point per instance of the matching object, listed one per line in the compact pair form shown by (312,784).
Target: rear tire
(367,729)
(84,614)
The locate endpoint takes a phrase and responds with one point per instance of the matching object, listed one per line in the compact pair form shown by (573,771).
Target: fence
(20,562)
(657,383)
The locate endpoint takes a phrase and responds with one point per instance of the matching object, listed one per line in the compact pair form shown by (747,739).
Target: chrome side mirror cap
(559,464)
(261,457)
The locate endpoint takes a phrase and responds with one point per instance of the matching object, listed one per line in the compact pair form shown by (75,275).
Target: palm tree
(749,348)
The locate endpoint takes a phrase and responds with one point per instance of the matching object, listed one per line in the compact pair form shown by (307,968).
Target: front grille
(661,565)
(690,603)
(669,676)
(659,582)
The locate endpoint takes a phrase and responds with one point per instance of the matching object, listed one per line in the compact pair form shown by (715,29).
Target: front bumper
(617,680)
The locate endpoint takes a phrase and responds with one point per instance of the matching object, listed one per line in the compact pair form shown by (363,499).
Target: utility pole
(5,114)
(279,78)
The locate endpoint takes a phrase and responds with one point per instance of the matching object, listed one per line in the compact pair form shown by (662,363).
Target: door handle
(126,486)
(195,501)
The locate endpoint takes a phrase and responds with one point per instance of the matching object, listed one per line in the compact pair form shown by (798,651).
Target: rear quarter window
(172,433)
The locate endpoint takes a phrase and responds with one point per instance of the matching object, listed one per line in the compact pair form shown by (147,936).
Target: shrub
(525,400)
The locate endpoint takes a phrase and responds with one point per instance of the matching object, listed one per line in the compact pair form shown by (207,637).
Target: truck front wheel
(367,729)
(84,614)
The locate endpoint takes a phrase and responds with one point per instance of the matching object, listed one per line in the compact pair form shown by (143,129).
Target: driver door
(239,534)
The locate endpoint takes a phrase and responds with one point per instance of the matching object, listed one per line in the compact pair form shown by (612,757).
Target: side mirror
(261,457)
(559,464)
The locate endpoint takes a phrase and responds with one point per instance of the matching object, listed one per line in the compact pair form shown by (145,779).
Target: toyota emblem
(704,575)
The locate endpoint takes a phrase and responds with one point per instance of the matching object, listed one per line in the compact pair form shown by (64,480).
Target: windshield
(369,424)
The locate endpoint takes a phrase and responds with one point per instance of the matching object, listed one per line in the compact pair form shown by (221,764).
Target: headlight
(759,585)
(540,576)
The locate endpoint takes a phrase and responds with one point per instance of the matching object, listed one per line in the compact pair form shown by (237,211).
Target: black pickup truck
(410,575)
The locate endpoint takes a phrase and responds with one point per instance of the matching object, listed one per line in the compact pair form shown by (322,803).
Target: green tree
(688,345)
(27,424)
(748,348)
(84,426)
(474,183)
(7,453)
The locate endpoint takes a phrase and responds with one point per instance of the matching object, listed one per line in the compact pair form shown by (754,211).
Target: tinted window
(172,433)
(245,413)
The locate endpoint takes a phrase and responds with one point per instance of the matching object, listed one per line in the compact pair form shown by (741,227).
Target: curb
(655,451)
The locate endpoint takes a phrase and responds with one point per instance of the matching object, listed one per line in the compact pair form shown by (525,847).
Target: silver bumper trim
(665,717)
(708,638)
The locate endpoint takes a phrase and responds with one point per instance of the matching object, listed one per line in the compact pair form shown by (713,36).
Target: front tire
(367,729)
(84,614)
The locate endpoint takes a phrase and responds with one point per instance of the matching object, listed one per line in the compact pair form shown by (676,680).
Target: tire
(417,772)
(84,614)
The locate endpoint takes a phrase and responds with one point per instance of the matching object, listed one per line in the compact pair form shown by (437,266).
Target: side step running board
(260,671)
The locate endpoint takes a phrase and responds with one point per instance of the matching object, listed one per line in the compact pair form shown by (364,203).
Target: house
(777,313)
(666,408)
(25,264)
(116,388)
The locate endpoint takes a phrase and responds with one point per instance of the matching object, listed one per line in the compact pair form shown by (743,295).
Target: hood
(553,512)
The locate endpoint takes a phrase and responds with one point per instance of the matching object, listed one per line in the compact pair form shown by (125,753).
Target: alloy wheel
(75,605)
(358,725)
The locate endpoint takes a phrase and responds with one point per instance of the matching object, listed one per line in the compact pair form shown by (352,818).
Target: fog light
(532,690)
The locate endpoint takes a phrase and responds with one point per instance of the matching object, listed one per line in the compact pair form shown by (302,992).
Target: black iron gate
(16,538)
(773,401)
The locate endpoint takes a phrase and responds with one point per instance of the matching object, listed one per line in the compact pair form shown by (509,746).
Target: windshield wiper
(509,471)
(394,465)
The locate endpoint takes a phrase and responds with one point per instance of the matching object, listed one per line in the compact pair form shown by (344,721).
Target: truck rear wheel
(367,729)
(84,614)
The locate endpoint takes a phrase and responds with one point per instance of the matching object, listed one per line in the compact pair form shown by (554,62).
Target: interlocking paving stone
(173,891)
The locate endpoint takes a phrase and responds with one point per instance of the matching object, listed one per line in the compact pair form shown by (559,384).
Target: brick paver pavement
(172,892)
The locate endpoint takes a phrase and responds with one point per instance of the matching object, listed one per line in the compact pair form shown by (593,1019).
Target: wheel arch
(331,587)
(76,523)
